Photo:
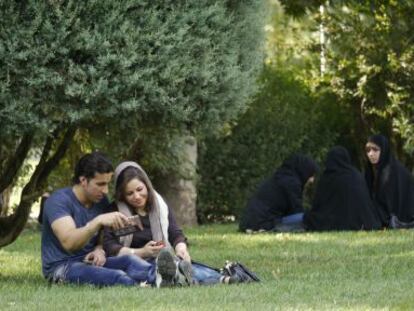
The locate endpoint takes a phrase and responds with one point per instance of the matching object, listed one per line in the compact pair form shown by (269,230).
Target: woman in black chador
(278,200)
(342,199)
(390,184)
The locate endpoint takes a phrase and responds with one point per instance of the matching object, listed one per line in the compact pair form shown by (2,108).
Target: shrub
(283,118)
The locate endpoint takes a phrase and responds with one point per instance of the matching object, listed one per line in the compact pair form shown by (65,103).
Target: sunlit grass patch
(306,271)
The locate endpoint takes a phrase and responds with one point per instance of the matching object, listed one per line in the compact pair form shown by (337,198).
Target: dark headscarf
(338,160)
(300,165)
(280,195)
(341,200)
(390,184)
(385,157)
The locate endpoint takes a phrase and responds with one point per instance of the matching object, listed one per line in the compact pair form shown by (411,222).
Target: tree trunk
(179,190)
(11,226)
(15,161)
(5,201)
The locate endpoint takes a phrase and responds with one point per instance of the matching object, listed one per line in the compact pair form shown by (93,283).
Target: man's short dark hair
(91,164)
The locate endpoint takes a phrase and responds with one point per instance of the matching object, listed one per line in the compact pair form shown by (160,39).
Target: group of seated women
(343,200)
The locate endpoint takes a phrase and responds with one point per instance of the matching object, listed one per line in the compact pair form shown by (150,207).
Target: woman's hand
(182,252)
(152,249)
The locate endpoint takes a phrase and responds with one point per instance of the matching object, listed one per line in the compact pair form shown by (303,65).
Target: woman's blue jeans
(290,223)
(294,219)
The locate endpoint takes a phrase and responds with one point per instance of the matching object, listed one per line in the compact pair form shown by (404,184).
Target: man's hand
(116,220)
(96,257)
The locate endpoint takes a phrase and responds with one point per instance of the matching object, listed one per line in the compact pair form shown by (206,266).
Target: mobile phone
(129,229)
(133,218)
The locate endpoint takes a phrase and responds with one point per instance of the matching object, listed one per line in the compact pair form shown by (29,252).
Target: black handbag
(395,223)
(240,271)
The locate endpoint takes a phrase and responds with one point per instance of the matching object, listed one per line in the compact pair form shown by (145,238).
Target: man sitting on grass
(72,221)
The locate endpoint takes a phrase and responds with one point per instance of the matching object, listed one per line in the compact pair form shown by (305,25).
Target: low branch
(58,155)
(134,151)
(15,161)
(44,156)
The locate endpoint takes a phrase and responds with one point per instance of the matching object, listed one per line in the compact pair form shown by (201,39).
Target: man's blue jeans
(125,270)
(121,270)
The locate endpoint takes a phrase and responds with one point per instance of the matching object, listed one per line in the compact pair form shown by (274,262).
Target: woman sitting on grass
(341,200)
(390,184)
(157,234)
(277,204)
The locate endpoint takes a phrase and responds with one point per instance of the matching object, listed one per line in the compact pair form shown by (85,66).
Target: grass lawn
(318,271)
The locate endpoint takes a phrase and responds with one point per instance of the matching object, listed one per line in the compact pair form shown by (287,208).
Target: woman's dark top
(342,199)
(112,245)
(280,195)
(393,189)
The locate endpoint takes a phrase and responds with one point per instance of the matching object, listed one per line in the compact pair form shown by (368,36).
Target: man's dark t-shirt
(63,203)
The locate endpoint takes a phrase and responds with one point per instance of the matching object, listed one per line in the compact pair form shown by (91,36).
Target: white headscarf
(158,212)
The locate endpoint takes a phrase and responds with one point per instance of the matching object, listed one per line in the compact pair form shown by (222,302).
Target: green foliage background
(292,112)
(365,88)
(283,119)
(370,57)
(135,75)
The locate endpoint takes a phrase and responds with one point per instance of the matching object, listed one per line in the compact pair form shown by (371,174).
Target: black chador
(280,195)
(342,199)
(391,185)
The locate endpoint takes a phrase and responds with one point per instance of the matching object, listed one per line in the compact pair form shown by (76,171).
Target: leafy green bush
(283,118)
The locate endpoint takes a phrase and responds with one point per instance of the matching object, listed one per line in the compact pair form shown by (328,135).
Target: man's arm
(73,239)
